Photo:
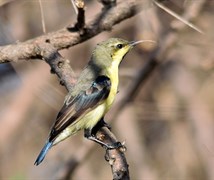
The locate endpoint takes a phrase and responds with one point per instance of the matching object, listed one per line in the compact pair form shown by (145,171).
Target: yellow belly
(112,73)
(86,122)
(89,120)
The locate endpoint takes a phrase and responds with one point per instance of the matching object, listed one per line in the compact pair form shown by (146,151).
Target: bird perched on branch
(92,96)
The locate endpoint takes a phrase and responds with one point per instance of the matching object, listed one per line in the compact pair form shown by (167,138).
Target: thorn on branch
(47,41)
(52,71)
(62,82)
(60,64)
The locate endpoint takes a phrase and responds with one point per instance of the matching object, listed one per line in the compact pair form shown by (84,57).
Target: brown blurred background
(168,128)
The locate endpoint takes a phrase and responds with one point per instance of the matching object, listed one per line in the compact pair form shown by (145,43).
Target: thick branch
(68,37)
(59,65)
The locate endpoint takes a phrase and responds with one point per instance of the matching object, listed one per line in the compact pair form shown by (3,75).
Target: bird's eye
(119,46)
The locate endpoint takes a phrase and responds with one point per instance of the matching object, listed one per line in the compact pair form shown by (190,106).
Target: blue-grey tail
(43,153)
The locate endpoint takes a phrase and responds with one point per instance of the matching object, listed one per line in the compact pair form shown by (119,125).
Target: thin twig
(74,6)
(178,17)
(42,16)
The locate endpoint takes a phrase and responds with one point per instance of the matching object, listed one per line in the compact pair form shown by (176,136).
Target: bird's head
(115,48)
(111,52)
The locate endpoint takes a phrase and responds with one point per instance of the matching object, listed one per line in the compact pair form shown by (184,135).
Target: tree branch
(115,157)
(69,36)
(59,65)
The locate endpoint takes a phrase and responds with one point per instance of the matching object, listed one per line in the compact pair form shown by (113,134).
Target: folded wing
(79,105)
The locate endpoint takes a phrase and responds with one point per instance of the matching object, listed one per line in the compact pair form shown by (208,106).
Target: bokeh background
(168,127)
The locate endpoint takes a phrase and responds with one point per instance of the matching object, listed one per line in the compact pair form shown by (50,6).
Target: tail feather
(43,153)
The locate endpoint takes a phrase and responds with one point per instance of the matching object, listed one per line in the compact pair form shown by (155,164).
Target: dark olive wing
(78,105)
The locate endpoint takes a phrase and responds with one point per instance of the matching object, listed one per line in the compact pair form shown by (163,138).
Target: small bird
(92,96)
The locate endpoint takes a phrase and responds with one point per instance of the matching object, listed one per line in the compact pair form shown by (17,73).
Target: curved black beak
(134,43)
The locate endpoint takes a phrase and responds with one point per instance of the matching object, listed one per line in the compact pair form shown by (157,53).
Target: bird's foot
(115,145)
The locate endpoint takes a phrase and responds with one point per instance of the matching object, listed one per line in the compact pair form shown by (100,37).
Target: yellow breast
(92,117)
(112,73)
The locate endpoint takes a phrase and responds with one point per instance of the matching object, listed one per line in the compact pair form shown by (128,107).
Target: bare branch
(68,37)
(59,65)
(115,157)
(182,19)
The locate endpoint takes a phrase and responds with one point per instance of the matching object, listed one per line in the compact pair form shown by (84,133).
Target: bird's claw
(115,145)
